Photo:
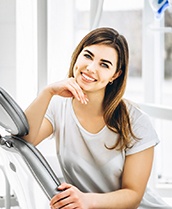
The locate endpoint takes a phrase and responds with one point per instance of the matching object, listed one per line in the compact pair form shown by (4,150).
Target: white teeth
(87,77)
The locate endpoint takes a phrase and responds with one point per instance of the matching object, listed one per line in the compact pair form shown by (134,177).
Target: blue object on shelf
(159,7)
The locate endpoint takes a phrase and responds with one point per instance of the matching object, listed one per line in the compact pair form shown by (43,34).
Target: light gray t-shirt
(85,161)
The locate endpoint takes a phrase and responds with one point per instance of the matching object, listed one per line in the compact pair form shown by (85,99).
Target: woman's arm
(134,180)
(40,127)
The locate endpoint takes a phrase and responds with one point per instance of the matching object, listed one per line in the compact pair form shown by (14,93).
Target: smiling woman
(102,140)
(95,67)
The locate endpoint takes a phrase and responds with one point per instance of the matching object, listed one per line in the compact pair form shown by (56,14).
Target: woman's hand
(69,198)
(68,88)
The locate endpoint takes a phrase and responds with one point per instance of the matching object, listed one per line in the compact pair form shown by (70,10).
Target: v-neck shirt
(84,158)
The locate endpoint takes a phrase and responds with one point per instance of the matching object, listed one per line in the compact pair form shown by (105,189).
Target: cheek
(75,70)
(105,77)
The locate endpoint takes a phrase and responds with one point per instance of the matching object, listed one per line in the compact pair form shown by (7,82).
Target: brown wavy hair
(115,113)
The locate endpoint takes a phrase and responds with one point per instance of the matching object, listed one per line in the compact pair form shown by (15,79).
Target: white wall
(8,45)
(7,54)
(60,38)
(26,51)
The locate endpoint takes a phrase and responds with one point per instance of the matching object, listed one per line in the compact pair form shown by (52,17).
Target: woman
(103,141)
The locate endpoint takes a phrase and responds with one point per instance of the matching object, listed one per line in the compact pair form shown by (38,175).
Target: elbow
(134,199)
(137,200)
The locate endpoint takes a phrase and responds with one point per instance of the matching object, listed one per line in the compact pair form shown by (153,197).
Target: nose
(92,67)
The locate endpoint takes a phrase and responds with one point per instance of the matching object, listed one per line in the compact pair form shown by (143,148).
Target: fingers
(64,203)
(63,199)
(66,199)
(68,88)
(77,91)
(63,187)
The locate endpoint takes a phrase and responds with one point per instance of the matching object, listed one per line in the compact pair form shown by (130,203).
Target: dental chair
(29,174)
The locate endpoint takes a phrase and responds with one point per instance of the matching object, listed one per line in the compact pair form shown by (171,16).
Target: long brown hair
(115,112)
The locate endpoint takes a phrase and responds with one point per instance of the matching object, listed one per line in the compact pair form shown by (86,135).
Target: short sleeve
(55,112)
(51,113)
(143,129)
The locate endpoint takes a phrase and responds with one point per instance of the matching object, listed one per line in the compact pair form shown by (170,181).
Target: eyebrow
(103,60)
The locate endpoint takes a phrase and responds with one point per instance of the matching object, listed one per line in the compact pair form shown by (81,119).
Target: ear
(116,75)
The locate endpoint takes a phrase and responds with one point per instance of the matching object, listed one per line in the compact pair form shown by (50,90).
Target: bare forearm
(35,113)
(121,199)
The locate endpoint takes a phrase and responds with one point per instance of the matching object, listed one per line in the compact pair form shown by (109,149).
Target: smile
(88,78)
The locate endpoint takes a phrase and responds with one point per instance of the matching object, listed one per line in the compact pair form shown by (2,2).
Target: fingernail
(86,100)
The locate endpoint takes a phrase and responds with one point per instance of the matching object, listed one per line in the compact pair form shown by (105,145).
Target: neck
(94,105)
(90,115)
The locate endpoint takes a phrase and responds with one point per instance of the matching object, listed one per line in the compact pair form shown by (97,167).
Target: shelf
(161,29)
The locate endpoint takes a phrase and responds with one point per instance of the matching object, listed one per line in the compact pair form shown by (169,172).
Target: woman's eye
(105,65)
(87,56)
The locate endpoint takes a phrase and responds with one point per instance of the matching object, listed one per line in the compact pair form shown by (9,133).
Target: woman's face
(95,67)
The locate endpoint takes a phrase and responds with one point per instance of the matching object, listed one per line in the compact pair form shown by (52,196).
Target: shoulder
(138,118)
(58,106)
(58,102)
(57,109)
(135,112)
(58,99)
(142,128)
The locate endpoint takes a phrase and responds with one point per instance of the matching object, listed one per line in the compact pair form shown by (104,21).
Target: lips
(88,77)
